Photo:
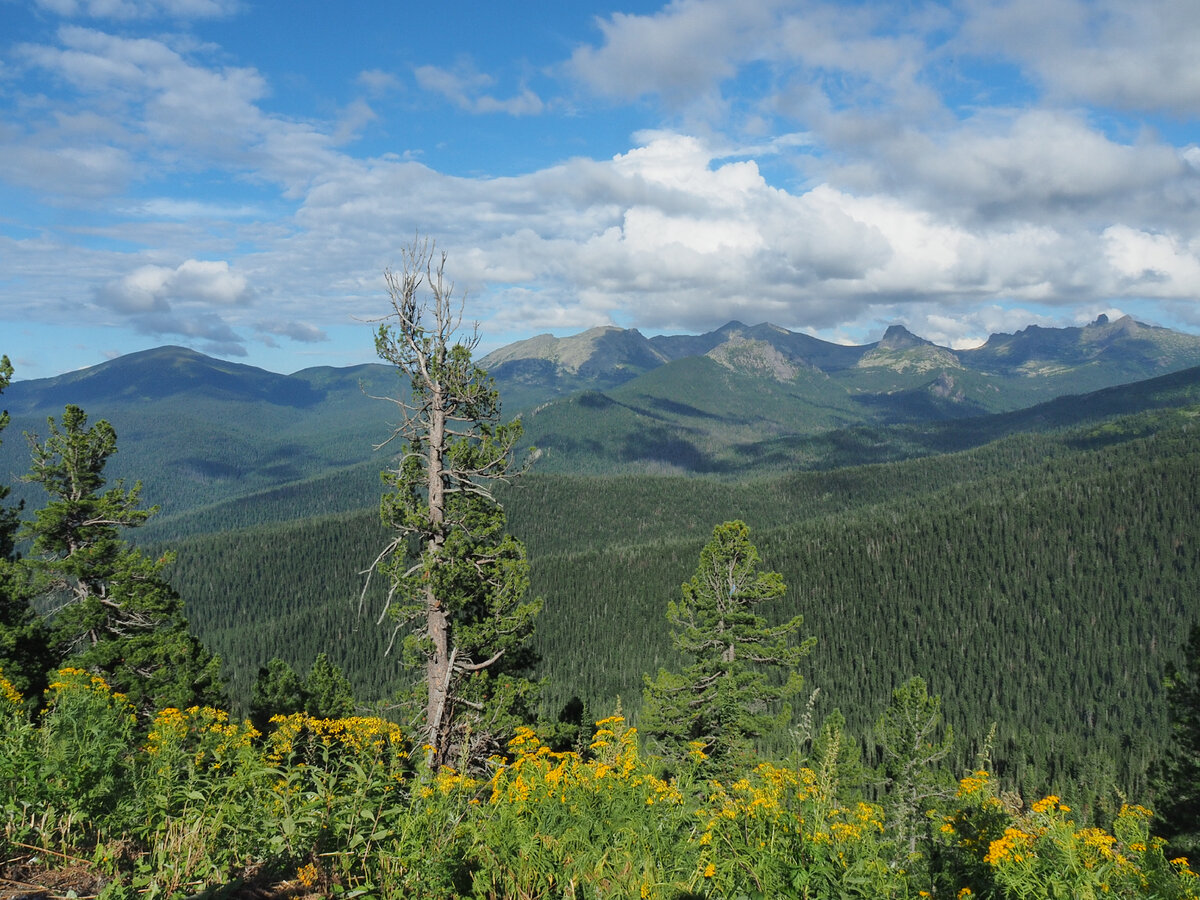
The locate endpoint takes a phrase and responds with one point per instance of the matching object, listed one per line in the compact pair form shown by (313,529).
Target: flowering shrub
(85,746)
(337,806)
(1003,852)
(551,821)
(777,833)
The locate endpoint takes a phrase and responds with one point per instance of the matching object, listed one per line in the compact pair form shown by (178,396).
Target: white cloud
(817,55)
(154,288)
(464,87)
(1152,265)
(1038,166)
(146,105)
(214,333)
(681,52)
(378,82)
(189,210)
(302,332)
(1127,56)
(353,120)
(141,9)
(816,166)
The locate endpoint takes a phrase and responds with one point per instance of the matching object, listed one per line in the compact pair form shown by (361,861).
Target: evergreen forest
(956,658)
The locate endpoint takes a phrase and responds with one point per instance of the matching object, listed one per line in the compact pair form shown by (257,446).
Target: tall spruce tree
(24,643)
(457,579)
(110,609)
(914,743)
(725,698)
(327,691)
(278,691)
(1179,777)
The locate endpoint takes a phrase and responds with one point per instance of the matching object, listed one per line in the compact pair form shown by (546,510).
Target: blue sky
(236,176)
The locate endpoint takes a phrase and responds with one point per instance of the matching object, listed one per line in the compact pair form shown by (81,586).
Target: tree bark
(438,672)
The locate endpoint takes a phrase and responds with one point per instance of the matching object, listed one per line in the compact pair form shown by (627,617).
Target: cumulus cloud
(1038,165)
(681,52)
(824,166)
(211,332)
(151,106)
(153,289)
(1152,265)
(1134,57)
(817,55)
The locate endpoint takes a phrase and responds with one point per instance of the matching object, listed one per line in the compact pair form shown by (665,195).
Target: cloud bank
(826,167)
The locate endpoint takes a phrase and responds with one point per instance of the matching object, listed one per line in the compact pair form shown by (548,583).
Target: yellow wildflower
(307,875)
(973,783)
(1046,803)
(10,693)
(1007,847)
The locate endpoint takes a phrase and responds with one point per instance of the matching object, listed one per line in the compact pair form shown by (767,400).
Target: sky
(236,177)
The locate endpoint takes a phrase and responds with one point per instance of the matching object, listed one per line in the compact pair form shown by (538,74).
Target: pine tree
(24,643)
(327,692)
(278,691)
(457,579)
(914,744)
(111,611)
(725,698)
(1179,779)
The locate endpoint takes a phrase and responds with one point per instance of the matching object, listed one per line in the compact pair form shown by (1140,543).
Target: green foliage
(1179,778)
(836,759)
(914,744)
(111,610)
(724,698)
(336,807)
(278,691)
(1003,559)
(76,761)
(328,693)
(24,643)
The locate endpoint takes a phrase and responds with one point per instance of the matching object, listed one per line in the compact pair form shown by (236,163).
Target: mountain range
(1095,355)
(611,399)
(738,400)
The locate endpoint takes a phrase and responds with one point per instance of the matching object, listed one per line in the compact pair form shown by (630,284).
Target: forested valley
(977,674)
(1043,583)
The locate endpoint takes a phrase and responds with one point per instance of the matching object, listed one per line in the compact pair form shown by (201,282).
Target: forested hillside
(1043,583)
(737,402)
(1000,596)
(356,487)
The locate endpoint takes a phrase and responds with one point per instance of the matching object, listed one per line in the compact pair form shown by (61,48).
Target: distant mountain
(164,372)
(202,432)
(535,370)
(1121,348)
(721,394)
(1050,360)
(198,430)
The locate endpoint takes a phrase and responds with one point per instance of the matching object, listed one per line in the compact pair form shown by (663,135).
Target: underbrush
(197,803)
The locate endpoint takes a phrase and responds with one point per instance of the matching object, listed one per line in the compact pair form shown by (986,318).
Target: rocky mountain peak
(897,337)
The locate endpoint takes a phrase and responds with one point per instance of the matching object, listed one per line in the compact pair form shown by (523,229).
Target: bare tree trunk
(438,672)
